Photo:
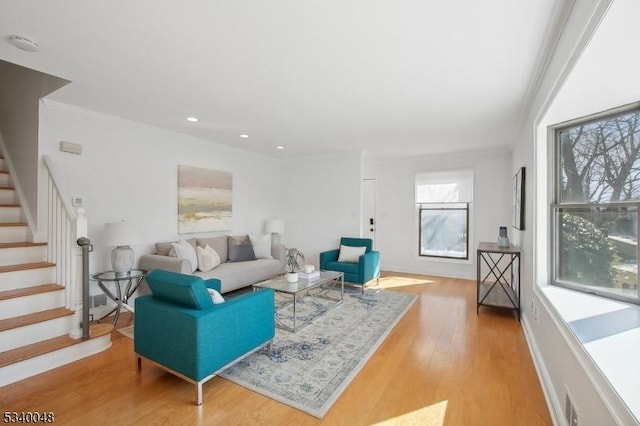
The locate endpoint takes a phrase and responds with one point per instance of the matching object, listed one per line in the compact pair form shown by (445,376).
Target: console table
(498,278)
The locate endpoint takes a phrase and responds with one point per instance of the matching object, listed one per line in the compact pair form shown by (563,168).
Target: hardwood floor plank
(442,364)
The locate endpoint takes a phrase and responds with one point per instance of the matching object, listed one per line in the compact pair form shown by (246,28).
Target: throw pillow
(261,246)
(184,250)
(350,254)
(208,258)
(219,244)
(216,297)
(240,249)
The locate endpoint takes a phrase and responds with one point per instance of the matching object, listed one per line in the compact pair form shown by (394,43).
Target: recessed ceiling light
(244,136)
(280,147)
(23,43)
(192,119)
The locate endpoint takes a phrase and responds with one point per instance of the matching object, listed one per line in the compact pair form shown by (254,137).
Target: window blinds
(452,186)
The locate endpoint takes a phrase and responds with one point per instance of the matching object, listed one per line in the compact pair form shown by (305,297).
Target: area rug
(127,331)
(309,370)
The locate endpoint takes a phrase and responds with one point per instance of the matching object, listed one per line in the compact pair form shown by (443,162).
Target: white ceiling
(390,77)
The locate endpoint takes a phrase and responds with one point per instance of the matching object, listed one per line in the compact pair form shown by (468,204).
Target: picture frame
(205,200)
(519,199)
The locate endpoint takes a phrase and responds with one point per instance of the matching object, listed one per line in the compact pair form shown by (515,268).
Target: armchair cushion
(179,289)
(351,254)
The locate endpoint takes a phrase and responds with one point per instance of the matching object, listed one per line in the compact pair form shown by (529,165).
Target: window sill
(609,332)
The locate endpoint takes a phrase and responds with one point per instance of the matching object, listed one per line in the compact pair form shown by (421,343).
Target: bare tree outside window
(596,205)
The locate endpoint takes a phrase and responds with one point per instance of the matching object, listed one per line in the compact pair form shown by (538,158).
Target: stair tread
(9,188)
(26,266)
(50,345)
(9,224)
(34,318)
(9,205)
(20,244)
(29,291)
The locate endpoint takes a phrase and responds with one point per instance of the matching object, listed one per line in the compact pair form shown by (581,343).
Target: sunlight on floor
(433,415)
(396,281)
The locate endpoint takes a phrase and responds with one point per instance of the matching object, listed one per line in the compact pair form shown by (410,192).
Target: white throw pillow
(184,250)
(261,246)
(208,258)
(350,254)
(216,298)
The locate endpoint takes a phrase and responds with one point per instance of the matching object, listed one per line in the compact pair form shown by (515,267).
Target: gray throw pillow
(240,249)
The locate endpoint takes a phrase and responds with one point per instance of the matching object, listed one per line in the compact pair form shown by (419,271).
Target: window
(443,200)
(596,205)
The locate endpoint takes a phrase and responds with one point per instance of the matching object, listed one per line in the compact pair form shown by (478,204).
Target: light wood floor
(441,365)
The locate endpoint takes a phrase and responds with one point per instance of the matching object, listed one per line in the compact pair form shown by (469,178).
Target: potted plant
(293,258)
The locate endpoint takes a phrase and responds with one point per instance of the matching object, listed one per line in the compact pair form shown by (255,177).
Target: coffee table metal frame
(326,282)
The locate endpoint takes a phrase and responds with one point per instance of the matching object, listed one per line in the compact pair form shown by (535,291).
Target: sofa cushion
(261,246)
(184,250)
(208,258)
(240,249)
(351,254)
(179,289)
(219,244)
(346,267)
(235,275)
(163,248)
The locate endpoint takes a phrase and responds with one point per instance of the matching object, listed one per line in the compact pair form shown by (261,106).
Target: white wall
(561,361)
(128,171)
(397,214)
(320,202)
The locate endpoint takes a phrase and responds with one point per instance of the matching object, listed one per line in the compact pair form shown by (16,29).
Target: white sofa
(232,275)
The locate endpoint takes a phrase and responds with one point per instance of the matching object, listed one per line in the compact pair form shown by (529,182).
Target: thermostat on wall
(73,148)
(76,201)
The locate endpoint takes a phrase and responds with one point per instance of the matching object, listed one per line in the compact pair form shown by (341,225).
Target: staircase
(35,321)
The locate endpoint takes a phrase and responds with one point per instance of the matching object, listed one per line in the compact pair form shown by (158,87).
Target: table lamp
(275,227)
(119,235)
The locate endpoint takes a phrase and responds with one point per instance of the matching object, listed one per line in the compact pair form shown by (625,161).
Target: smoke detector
(23,43)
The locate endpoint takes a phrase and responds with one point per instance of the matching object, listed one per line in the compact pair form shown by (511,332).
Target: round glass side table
(129,281)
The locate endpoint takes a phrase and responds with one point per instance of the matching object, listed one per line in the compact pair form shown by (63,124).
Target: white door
(369,209)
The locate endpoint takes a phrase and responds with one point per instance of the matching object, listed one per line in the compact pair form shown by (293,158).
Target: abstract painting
(204,200)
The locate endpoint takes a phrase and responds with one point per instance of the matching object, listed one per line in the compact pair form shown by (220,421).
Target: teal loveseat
(179,328)
(360,272)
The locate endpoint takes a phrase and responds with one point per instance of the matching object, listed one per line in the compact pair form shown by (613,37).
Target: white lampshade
(120,234)
(275,226)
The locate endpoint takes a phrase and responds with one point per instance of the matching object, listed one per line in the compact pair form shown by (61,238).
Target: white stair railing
(64,226)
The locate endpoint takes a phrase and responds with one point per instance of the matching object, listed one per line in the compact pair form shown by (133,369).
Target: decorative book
(309,276)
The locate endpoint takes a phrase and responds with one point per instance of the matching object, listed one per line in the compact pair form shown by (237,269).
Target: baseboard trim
(553,403)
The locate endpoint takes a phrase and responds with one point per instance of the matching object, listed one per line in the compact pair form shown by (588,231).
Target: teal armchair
(179,328)
(361,272)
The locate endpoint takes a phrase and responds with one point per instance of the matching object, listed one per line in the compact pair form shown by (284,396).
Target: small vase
(503,238)
(292,277)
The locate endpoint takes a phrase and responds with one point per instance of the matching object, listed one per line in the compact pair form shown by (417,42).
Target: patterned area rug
(309,370)
(127,331)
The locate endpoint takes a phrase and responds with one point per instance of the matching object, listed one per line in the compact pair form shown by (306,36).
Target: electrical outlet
(535,313)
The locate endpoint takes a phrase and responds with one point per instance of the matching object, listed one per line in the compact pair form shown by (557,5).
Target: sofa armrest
(328,256)
(167,263)
(213,283)
(369,265)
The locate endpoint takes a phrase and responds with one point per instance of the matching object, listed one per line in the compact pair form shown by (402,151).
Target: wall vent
(97,300)
(570,413)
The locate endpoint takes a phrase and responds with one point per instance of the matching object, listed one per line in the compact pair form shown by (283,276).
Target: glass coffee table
(313,293)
